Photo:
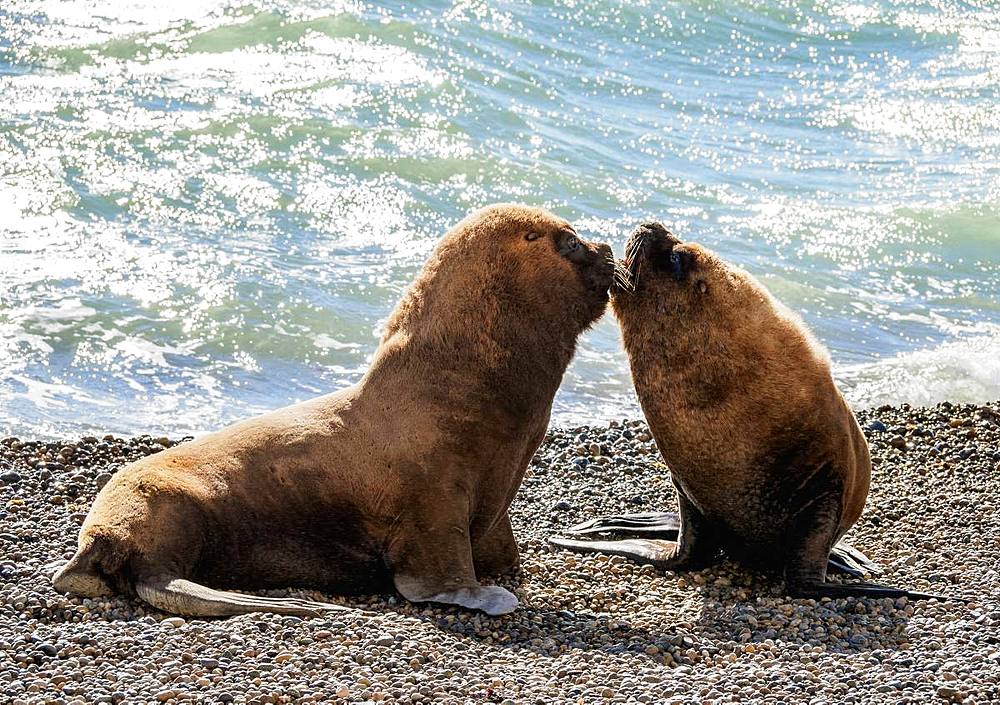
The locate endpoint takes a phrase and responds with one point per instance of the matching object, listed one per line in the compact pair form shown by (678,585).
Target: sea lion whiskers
(635,253)
(623,278)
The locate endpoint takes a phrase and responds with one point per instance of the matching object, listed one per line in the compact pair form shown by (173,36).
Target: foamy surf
(961,371)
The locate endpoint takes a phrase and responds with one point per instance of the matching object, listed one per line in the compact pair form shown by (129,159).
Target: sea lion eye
(568,244)
(677,265)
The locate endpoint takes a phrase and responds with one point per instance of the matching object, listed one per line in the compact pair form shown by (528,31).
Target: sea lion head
(662,277)
(670,291)
(677,302)
(547,251)
(509,271)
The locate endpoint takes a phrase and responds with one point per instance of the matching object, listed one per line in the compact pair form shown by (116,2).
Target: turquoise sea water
(208,209)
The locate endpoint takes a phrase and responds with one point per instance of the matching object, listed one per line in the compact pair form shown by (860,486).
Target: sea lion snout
(604,252)
(656,232)
(600,266)
(595,264)
(650,243)
(651,240)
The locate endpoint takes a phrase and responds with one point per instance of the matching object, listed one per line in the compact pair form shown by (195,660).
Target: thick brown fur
(766,455)
(404,478)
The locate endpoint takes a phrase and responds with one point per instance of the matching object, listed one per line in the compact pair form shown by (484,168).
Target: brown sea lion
(404,478)
(767,458)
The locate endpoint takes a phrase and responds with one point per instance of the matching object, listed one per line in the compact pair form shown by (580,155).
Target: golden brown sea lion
(767,458)
(404,478)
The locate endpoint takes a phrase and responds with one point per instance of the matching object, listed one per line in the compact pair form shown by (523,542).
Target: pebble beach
(589,629)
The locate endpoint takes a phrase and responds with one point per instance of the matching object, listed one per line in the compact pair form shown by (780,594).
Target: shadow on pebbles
(589,629)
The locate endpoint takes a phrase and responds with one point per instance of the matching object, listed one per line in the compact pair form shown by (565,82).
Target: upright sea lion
(767,458)
(404,478)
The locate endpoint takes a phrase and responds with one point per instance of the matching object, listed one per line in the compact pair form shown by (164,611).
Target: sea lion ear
(702,286)
(531,236)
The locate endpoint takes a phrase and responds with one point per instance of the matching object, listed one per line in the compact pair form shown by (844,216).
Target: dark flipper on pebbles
(179,596)
(808,559)
(658,552)
(658,525)
(840,590)
(844,558)
(655,552)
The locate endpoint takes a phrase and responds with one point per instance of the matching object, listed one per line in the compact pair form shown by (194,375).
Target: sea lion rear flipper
(847,559)
(660,525)
(835,564)
(179,596)
(79,576)
(805,572)
(656,552)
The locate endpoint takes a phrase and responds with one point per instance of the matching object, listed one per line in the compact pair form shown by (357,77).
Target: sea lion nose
(655,232)
(601,265)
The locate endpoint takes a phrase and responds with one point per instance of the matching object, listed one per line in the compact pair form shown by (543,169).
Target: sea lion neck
(486,314)
(508,366)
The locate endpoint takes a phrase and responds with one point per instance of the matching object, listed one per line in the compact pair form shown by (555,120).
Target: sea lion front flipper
(817,590)
(491,599)
(431,560)
(659,525)
(696,545)
(805,573)
(655,552)
(82,574)
(179,596)
(495,551)
(835,565)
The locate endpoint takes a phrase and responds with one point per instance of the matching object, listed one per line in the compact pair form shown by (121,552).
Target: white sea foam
(965,370)
(325,341)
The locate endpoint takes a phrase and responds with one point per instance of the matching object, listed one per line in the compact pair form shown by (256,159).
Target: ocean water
(208,209)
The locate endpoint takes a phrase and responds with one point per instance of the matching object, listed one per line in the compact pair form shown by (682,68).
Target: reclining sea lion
(404,478)
(767,458)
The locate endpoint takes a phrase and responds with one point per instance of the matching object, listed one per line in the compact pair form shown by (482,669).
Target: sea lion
(767,458)
(403,479)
